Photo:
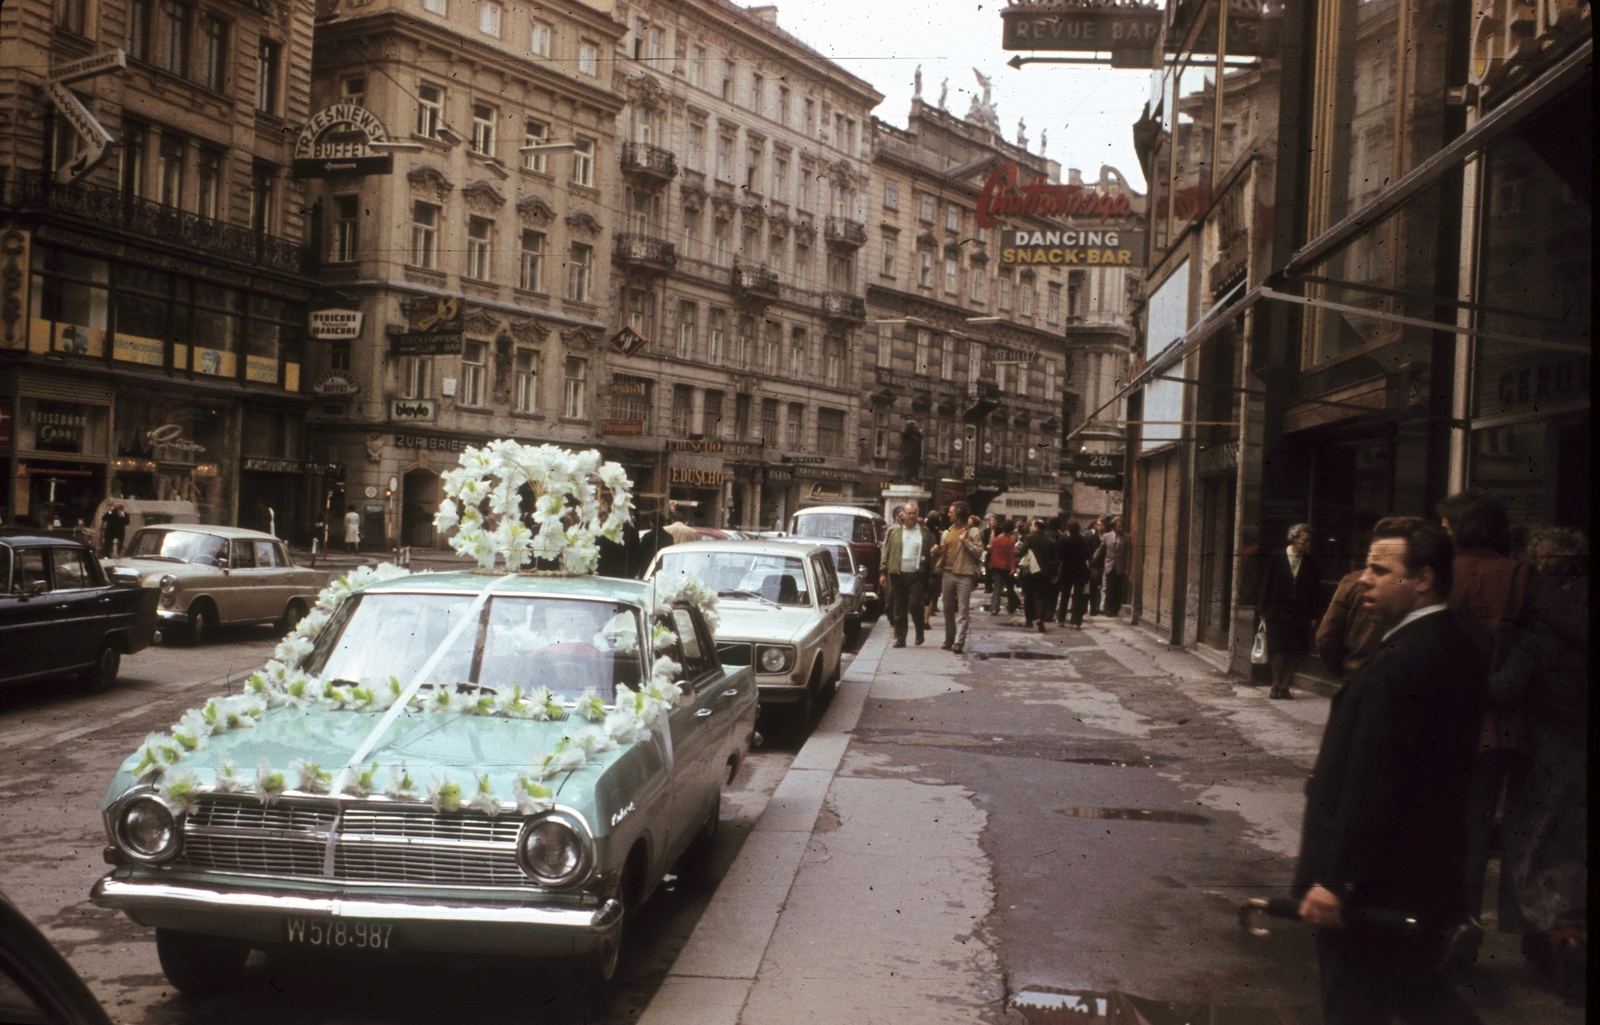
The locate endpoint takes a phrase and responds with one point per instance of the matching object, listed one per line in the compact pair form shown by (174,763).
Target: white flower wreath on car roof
(563,484)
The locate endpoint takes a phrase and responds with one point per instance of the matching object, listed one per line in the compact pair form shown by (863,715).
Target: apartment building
(152,328)
(467,159)
(736,288)
(980,357)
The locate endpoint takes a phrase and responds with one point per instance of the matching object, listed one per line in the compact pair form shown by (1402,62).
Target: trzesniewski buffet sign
(338,142)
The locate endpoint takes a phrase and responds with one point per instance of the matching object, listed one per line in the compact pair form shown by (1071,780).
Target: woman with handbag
(1038,567)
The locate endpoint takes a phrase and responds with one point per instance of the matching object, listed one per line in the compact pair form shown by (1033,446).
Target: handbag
(1258,650)
(1028,565)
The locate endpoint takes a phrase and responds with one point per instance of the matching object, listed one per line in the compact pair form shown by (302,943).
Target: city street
(1046,828)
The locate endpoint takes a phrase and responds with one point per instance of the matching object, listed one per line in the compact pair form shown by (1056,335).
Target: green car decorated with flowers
(478,762)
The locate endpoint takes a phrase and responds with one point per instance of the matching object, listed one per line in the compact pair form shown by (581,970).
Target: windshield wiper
(757,595)
(163,558)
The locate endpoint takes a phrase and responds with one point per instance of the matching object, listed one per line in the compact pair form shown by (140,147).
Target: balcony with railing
(642,160)
(844,306)
(645,252)
(845,233)
(754,282)
(113,208)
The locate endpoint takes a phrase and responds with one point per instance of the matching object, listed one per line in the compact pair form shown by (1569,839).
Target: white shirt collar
(1414,615)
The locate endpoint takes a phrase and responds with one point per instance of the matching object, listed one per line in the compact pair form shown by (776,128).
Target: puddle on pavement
(1184,818)
(1119,763)
(1047,1005)
(1032,656)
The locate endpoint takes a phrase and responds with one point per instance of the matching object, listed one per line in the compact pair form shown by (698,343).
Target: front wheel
(199,965)
(202,621)
(104,672)
(292,615)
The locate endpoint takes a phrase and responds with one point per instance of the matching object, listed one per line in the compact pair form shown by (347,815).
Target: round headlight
(774,660)
(147,830)
(169,584)
(551,852)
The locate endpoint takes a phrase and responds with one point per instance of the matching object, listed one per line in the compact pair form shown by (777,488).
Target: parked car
(211,576)
(374,869)
(852,584)
(864,530)
(36,982)
(142,512)
(61,613)
(781,611)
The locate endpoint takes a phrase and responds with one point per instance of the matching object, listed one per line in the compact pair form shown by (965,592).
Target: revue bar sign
(1090,29)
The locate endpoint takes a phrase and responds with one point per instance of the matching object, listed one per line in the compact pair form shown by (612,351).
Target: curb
(714,973)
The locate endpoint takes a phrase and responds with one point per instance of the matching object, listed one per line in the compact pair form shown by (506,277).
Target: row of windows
(937,354)
(189,41)
(955,217)
(752,345)
(415,380)
(484,136)
(753,88)
(541,35)
(780,423)
(480,250)
(1006,446)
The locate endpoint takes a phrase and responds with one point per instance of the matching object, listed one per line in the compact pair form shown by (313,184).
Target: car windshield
(742,576)
(819,524)
(177,546)
(841,560)
(568,645)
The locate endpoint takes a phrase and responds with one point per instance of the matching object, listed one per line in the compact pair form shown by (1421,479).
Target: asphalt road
(58,749)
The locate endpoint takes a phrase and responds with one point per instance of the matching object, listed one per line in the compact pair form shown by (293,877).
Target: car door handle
(731,692)
(702,713)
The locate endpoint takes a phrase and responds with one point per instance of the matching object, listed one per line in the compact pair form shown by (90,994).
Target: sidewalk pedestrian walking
(1387,796)
(113,530)
(352,530)
(1112,557)
(907,560)
(960,554)
(1039,583)
(936,526)
(1074,585)
(1091,540)
(1287,603)
(1002,569)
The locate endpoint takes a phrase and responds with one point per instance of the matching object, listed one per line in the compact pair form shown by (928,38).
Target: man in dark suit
(1384,825)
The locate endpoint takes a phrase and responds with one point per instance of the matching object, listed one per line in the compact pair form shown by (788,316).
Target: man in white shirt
(907,560)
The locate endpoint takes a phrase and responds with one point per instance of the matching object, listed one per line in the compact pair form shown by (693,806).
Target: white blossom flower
(483,799)
(156,755)
(533,797)
(269,783)
(592,740)
(566,757)
(444,794)
(590,706)
(293,649)
(228,779)
(400,784)
(447,517)
(310,778)
(181,790)
(626,728)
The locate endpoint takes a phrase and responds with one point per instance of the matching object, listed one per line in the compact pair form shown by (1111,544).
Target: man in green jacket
(907,560)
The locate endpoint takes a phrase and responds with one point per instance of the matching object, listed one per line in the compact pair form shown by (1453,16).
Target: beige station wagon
(209,576)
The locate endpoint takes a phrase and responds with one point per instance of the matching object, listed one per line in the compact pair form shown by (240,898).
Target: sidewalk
(896,874)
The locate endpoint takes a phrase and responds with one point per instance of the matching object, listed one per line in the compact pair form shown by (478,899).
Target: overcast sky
(1089,110)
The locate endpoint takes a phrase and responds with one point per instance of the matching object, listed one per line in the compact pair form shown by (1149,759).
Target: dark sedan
(60,615)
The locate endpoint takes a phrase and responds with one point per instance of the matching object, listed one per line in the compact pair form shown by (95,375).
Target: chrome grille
(370,843)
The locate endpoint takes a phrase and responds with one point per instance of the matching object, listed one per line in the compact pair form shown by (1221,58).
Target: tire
(104,672)
(292,615)
(202,622)
(200,965)
(598,969)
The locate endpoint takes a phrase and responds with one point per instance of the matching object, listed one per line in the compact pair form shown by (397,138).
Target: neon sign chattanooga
(1001,197)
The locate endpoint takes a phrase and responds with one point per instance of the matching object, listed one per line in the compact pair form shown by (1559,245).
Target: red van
(863,528)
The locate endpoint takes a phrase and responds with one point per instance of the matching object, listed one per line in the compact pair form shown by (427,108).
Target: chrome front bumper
(172,616)
(421,923)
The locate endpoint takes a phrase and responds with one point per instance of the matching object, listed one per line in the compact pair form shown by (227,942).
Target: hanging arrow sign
(96,140)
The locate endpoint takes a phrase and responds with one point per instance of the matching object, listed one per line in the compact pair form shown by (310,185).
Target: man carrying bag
(907,561)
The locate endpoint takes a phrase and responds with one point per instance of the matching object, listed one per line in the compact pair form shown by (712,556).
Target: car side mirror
(686,695)
(123,576)
(36,588)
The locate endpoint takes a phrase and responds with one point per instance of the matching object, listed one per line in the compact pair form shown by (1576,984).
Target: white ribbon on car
(474,611)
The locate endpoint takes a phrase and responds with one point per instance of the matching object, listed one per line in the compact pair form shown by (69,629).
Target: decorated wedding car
(502,761)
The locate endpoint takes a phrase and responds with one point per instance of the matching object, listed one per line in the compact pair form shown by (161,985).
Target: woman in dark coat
(1288,603)
(1074,554)
(1038,586)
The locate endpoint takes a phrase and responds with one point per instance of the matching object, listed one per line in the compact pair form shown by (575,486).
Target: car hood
(756,621)
(432,747)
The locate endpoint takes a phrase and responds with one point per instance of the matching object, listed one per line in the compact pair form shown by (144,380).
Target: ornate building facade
(736,285)
(155,281)
(465,289)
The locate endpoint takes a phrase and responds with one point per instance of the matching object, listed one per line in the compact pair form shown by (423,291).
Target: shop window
(830,432)
(527,381)
(424,235)
(219,328)
(575,388)
(480,242)
(483,121)
(71,300)
(145,321)
(531,272)
(472,374)
(346,236)
(264,339)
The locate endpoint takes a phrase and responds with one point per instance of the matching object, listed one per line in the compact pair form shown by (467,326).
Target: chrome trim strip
(123,895)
